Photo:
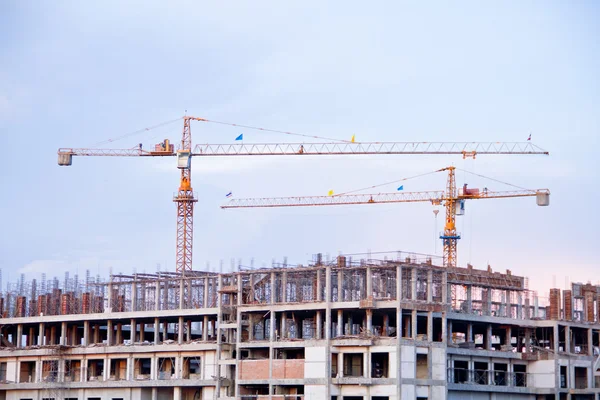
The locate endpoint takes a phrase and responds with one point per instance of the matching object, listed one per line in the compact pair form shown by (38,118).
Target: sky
(91,74)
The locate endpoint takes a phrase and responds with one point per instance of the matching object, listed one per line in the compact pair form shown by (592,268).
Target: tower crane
(185,197)
(452,200)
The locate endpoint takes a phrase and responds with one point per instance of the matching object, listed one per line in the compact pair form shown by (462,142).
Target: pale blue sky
(77,73)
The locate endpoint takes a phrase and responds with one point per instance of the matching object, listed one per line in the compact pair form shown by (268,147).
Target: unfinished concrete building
(340,330)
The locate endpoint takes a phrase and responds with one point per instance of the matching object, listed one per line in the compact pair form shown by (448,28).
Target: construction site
(353,327)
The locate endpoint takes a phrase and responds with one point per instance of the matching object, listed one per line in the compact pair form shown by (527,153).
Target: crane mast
(450,236)
(185,201)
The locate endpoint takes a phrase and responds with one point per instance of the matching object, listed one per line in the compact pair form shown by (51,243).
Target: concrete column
(96,333)
(508,336)
(205,329)
(142,337)
(528,340)
(134,294)
(527,309)
(180,331)
(83,371)
(366,370)
(429,287)
(319,325)
(156,331)
(340,364)
(470,299)
(109,301)
(205,294)
(567,339)
(369,320)
(398,283)
(272,324)
(86,333)
(369,282)
(63,334)
(181,295)
(340,322)
(555,337)
(508,305)
(133,331)
(157,295)
(31,337)
(318,297)
(189,331)
(41,334)
(536,307)
(445,291)
(488,337)
(414,324)
(450,331)
(430,326)
(177,393)
(413,283)
(154,393)
(469,332)
(283,333)
(109,333)
(119,335)
(590,341)
(273,291)
(444,327)
(488,301)
(340,286)
(284,286)
(519,306)
(19,339)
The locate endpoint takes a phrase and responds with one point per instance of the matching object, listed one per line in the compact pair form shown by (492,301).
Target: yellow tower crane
(452,200)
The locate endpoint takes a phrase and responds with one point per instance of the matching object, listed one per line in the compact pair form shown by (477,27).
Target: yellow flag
(352,140)
(330,193)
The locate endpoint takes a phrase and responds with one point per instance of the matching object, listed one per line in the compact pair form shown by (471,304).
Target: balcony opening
(251,392)
(166,368)
(255,354)
(500,374)
(520,375)
(72,371)
(3,366)
(581,378)
(563,377)
(334,365)
(95,370)
(27,370)
(191,368)
(50,371)
(142,369)
(118,369)
(422,327)
(379,365)
(422,366)
(480,374)
(460,371)
(380,398)
(289,392)
(290,354)
(353,364)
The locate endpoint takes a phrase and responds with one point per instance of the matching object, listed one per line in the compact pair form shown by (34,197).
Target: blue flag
(229,195)
(241,137)
(401,187)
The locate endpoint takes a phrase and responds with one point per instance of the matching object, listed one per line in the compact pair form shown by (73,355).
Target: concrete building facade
(374,329)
